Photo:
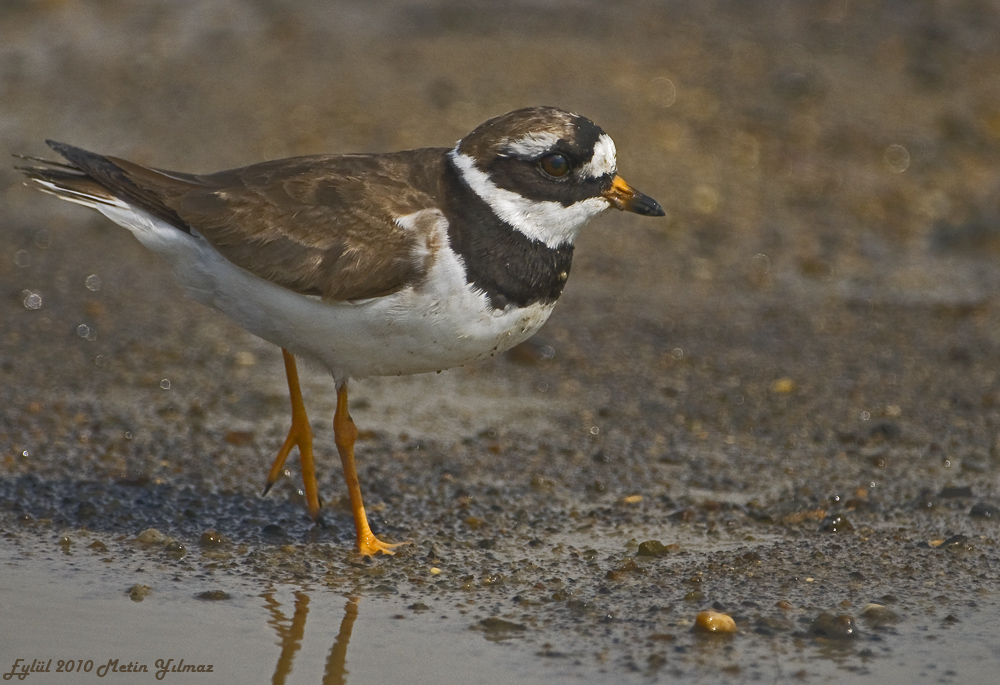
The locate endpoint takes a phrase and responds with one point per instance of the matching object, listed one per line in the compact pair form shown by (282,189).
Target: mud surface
(790,383)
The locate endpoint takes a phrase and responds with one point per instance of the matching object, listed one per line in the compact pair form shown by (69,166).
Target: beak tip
(645,206)
(656,209)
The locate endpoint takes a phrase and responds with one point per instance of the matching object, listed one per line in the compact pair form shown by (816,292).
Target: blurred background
(830,136)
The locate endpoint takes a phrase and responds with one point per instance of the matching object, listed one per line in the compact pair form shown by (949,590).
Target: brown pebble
(714,622)
(138,592)
(212,595)
(150,536)
(654,548)
(212,538)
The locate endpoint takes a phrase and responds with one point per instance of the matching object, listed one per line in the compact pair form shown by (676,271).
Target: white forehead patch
(604,161)
(530,146)
(548,222)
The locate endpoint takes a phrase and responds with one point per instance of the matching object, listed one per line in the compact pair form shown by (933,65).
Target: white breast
(440,323)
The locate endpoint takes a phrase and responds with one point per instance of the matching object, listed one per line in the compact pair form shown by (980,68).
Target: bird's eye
(554,165)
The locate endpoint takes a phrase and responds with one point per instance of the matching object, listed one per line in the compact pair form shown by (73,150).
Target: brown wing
(319,225)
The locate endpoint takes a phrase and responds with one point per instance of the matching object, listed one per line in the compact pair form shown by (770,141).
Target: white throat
(548,222)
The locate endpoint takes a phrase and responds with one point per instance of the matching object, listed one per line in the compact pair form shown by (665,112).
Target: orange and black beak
(626,198)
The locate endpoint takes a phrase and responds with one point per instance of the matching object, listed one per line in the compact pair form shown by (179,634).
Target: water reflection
(291,632)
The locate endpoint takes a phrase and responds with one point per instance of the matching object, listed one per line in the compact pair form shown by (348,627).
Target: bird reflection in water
(291,632)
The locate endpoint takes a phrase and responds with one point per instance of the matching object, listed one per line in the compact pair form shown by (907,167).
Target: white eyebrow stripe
(604,161)
(530,146)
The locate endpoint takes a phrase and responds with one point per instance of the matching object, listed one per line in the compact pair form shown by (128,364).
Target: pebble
(137,593)
(654,548)
(500,629)
(985,510)
(835,523)
(212,539)
(151,536)
(212,595)
(833,627)
(879,614)
(714,622)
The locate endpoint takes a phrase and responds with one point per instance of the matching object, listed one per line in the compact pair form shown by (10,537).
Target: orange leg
(345,433)
(300,435)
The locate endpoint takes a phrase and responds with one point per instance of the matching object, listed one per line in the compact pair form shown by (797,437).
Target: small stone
(137,593)
(955,492)
(835,523)
(833,627)
(212,595)
(956,541)
(985,510)
(151,536)
(772,625)
(175,549)
(212,539)
(653,548)
(499,629)
(879,614)
(714,622)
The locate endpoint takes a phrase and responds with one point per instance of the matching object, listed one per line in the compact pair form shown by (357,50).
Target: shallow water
(291,633)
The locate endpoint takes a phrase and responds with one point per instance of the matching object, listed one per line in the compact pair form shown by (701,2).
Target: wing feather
(322,225)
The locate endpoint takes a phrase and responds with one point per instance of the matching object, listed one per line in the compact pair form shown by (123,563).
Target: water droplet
(100,360)
(662,92)
(677,353)
(32,300)
(25,454)
(543,387)
(22,258)
(865,416)
(42,239)
(128,435)
(86,332)
(896,158)
(594,430)
(165,384)
(93,282)
(761,263)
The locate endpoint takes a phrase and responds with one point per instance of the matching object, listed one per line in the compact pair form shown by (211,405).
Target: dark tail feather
(91,179)
(65,181)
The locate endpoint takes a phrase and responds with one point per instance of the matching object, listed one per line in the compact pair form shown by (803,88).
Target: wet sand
(789,382)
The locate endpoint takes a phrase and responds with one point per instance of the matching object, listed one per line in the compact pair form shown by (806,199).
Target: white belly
(438,325)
